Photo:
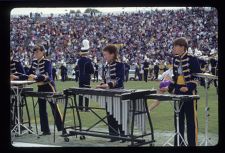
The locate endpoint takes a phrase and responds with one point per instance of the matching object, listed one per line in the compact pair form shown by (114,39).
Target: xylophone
(178,102)
(129,107)
(169,97)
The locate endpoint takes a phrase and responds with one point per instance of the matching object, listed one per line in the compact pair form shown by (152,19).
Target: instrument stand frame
(18,124)
(177,109)
(206,139)
(77,129)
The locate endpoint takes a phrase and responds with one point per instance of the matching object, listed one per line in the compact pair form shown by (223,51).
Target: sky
(26,11)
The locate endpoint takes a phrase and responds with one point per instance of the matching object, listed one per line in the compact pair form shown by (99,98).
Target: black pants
(81,103)
(63,77)
(126,76)
(96,75)
(54,77)
(140,76)
(76,77)
(188,111)
(43,110)
(156,75)
(146,75)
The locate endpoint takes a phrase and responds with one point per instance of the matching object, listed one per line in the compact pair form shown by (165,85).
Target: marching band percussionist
(16,67)
(41,71)
(54,75)
(114,78)
(76,69)
(63,72)
(85,70)
(127,68)
(146,68)
(184,83)
(96,71)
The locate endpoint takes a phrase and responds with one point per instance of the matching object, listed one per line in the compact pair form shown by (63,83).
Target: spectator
(136,34)
(156,70)
(54,72)
(63,72)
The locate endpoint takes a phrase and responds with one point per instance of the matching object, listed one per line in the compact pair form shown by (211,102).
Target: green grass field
(162,116)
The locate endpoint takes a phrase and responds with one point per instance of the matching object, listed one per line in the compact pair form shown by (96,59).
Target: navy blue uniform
(16,67)
(63,73)
(137,72)
(26,69)
(114,77)
(127,68)
(146,67)
(156,71)
(40,68)
(96,71)
(183,68)
(76,69)
(54,76)
(103,71)
(85,70)
(203,65)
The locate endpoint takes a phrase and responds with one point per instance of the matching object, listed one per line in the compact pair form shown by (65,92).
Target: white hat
(85,44)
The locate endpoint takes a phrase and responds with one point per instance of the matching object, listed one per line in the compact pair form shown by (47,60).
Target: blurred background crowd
(139,36)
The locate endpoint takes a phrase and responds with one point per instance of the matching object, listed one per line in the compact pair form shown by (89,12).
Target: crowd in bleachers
(138,35)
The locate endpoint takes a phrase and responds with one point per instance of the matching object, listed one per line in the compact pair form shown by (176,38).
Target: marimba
(172,97)
(53,97)
(178,102)
(129,107)
(17,88)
